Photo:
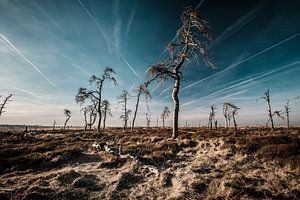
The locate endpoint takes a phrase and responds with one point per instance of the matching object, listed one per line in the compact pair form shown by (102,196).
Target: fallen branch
(103,146)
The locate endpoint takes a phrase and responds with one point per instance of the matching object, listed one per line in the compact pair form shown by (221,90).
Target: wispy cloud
(17,51)
(199,4)
(237,25)
(45,13)
(242,61)
(107,39)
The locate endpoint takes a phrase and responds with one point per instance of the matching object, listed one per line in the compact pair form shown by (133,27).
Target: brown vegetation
(200,164)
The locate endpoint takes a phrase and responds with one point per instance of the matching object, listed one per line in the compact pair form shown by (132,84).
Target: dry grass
(256,164)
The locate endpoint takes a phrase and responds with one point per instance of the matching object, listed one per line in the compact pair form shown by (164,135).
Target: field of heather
(146,164)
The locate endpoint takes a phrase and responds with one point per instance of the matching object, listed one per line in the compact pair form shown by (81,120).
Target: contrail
(242,61)
(107,39)
(237,25)
(253,78)
(26,59)
(199,4)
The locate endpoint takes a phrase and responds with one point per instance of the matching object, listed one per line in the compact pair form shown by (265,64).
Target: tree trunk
(66,122)
(175,106)
(99,107)
(125,113)
(270,113)
(287,118)
(163,121)
(226,122)
(104,117)
(234,122)
(136,109)
(85,121)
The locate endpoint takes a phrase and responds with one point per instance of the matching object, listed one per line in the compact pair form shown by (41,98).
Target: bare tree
(142,89)
(276,114)
(232,111)
(123,99)
(54,124)
(148,120)
(165,114)
(96,94)
(3,104)
(90,115)
(67,113)
(226,114)
(191,41)
(269,109)
(105,111)
(211,118)
(287,112)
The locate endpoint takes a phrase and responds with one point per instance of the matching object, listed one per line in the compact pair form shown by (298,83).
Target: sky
(50,48)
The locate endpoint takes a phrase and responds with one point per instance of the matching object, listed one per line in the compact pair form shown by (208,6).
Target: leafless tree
(4,102)
(142,89)
(212,115)
(287,112)
(165,114)
(232,112)
(123,99)
(276,114)
(67,113)
(54,124)
(90,115)
(105,111)
(96,95)
(191,40)
(226,114)
(148,120)
(266,97)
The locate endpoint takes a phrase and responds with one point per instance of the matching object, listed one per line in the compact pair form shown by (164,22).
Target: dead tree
(123,99)
(212,115)
(67,113)
(148,120)
(3,104)
(269,109)
(96,94)
(165,114)
(90,115)
(191,40)
(226,115)
(287,112)
(232,111)
(275,114)
(54,124)
(142,89)
(105,111)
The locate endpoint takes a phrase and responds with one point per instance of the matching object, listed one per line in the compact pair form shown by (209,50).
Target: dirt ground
(200,164)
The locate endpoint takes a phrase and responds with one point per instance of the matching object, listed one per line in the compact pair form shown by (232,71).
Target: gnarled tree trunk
(175,106)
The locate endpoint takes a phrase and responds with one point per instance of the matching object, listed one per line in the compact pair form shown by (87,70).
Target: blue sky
(48,49)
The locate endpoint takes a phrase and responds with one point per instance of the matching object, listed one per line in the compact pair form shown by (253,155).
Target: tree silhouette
(96,94)
(148,120)
(90,115)
(54,124)
(266,97)
(123,99)
(211,118)
(226,114)
(165,114)
(191,40)
(105,111)
(232,111)
(3,104)
(142,89)
(287,112)
(67,113)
